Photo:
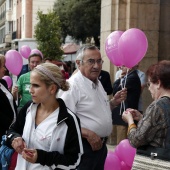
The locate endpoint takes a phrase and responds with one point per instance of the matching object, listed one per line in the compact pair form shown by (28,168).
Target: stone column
(164,32)
(28,19)
(125,14)
(113,18)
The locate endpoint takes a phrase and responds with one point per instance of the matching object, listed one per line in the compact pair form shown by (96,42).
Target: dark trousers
(93,160)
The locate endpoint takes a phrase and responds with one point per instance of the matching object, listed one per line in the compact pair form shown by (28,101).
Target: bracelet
(131,127)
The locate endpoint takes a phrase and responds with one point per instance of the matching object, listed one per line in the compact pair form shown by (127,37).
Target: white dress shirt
(90,103)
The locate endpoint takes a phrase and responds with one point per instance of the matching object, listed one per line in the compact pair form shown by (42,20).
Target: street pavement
(110,147)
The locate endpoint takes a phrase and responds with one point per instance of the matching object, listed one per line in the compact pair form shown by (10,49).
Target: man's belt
(104,139)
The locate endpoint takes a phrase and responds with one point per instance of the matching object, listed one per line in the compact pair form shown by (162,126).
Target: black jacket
(72,148)
(6,111)
(133,86)
(104,78)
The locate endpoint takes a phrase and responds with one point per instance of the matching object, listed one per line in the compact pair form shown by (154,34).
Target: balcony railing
(2,1)
(2,22)
(14,35)
(9,15)
(8,38)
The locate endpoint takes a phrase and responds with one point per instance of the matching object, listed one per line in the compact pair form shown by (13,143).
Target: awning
(70,48)
(4,50)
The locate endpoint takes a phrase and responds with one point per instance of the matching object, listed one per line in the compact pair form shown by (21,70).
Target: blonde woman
(46,134)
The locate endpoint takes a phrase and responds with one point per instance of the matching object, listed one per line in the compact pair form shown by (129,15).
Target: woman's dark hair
(160,71)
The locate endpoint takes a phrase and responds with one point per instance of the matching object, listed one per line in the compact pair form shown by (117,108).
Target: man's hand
(93,139)
(15,92)
(118,98)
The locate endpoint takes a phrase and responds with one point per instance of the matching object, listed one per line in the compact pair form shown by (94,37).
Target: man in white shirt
(88,100)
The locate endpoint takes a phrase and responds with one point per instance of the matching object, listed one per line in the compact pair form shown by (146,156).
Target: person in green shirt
(23,83)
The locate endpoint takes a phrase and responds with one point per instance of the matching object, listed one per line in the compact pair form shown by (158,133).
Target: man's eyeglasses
(93,61)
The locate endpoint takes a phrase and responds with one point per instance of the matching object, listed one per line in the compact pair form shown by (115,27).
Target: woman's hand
(18,144)
(127,117)
(136,114)
(30,155)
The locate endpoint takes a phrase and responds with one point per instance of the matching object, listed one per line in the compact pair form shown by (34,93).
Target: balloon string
(17,100)
(120,109)
(126,78)
(122,103)
(123,86)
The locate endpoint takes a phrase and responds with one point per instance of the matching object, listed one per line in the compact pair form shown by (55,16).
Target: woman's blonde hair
(2,60)
(51,74)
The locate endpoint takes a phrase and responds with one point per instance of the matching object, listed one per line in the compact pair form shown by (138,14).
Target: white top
(90,103)
(50,135)
(142,77)
(118,74)
(40,137)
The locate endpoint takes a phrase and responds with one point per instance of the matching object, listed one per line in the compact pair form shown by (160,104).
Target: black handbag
(154,152)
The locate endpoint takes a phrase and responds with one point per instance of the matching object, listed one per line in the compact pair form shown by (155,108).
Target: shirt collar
(88,81)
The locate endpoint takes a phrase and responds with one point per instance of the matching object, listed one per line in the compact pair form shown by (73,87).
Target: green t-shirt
(23,88)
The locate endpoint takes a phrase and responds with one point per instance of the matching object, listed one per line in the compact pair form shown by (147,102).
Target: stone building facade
(17,21)
(150,16)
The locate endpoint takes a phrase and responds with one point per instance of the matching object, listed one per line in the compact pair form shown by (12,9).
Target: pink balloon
(13,62)
(112,162)
(125,152)
(36,51)
(25,51)
(125,167)
(132,46)
(8,81)
(111,48)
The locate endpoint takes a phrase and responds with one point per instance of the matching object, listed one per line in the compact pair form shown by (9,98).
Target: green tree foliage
(48,35)
(79,18)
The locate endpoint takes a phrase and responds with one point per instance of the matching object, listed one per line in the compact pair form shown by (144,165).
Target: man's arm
(16,89)
(118,98)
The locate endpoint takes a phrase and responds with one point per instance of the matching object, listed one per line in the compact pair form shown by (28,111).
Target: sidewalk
(111,144)
(110,147)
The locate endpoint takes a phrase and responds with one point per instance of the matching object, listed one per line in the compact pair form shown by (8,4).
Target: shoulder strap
(167,118)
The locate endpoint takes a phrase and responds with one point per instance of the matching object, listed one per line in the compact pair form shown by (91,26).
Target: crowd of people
(64,122)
